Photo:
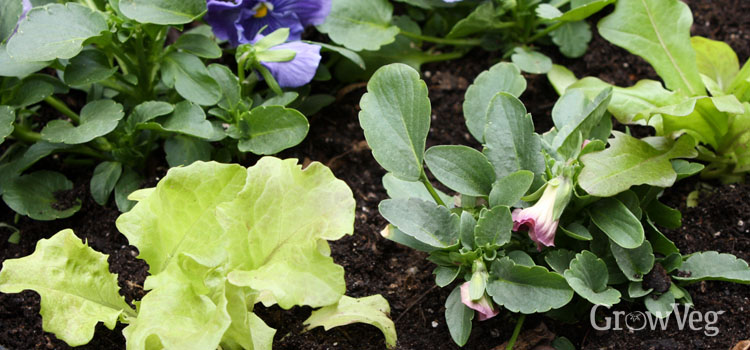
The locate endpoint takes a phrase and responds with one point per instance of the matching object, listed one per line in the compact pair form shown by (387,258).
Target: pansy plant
(142,91)
(704,93)
(538,220)
(219,240)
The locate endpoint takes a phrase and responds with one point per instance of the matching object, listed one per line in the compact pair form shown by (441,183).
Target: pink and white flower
(483,305)
(542,219)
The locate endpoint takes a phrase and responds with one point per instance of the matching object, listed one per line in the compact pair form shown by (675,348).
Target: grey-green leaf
(493,227)
(10,12)
(129,182)
(398,188)
(511,143)
(7,118)
(90,66)
(427,222)
(184,150)
(187,118)
(458,317)
(559,259)
(98,118)
(661,307)
(273,129)
(396,119)
(461,168)
(55,31)
(103,182)
(588,276)
(163,11)
(531,61)
(191,79)
(572,38)
(360,24)
(199,45)
(658,31)
(617,222)
(509,190)
(33,195)
(714,266)
(634,263)
(230,86)
(502,77)
(527,289)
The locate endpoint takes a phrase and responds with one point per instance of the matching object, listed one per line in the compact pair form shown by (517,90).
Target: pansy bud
(542,219)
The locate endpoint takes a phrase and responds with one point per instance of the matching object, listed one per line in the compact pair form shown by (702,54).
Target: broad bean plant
(218,240)
(434,30)
(146,78)
(546,223)
(705,93)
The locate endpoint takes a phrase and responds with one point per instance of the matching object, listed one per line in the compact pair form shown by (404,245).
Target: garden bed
(375,265)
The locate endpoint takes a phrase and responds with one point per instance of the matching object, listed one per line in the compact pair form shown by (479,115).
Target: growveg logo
(685,318)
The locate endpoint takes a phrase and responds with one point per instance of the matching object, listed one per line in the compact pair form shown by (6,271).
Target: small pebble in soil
(435,324)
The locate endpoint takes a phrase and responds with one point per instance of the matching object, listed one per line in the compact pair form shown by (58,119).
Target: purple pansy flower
(300,70)
(239,21)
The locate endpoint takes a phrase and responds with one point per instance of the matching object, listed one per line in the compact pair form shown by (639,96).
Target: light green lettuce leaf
(372,310)
(75,285)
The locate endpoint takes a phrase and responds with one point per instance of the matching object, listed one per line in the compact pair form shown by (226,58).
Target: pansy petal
(223,16)
(273,21)
(483,306)
(300,70)
(309,12)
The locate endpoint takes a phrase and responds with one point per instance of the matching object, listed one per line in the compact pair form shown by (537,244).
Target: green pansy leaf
(445,275)
(7,118)
(714,266)
(360,24)
(185,150)
(576,127)
(199,45)
(103,182)
(129,182)
(509,190)
(577,231)
(230,86)
(273,129)
(427,222)
(559,259)
(187,118)
(588,276)
(634,263)
(458,317)
(572,38)
(502,77)
(20,69)
(481,19)
(98,118)
(34,195)
(10,12)
(462,169)
(635,290)
(658,31)
(396,119)
(660,307)
(46,33)
(466,230)
(580,12)
(392,233)
(527,289)
(90,66)
(76,288)
(520,257)
(191,79)
(629,162)
(146,112)
(511,144)
(617,222)
(493,227)
(531,61)
(373,310)
(162,11)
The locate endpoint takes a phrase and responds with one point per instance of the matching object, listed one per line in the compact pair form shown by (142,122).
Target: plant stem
(62,108)
(144,71)
(516,331)
(92,5)
(21,132)
(545,32)
(436,40)
(431,189)
(443,57)
(241,71)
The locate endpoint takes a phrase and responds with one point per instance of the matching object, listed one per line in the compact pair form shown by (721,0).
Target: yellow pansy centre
(261,10)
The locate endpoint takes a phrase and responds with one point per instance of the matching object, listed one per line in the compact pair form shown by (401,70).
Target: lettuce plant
(585,225)
(705,94)
(142,92)
(515,27)
(218,239)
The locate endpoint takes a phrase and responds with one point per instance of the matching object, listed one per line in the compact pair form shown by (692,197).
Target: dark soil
(377,266)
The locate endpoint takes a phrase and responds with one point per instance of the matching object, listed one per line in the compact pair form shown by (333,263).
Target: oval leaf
(461,168)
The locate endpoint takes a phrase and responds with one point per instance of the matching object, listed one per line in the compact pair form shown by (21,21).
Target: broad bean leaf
(635,290)
(103,182)
(662,306)
(191,78)
(98,118)
(427,222)
(398,188)
(90,66)
(617,222)
(273,129)
(658,31)
(511,143)
(162,11)
(7,118)
(360,24)
(396,119)
(493,227)
(458,317)
(372,310)
(588,276)
(47,32)
(185,150)
(629,162)
(573,129)
(502,77)
(34,195)
(527,289)
(714,266)
(634,263)
(559,259)
(76,288)
(509,190)
(461,168)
